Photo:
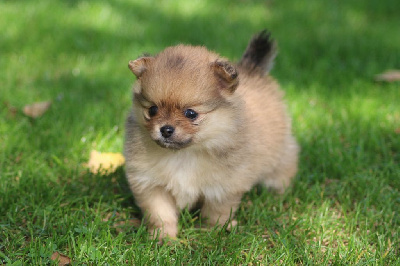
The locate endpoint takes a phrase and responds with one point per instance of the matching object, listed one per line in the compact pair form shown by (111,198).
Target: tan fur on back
(238,140)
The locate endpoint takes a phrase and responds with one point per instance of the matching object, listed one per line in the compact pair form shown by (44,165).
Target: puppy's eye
(191,114)
(153,110)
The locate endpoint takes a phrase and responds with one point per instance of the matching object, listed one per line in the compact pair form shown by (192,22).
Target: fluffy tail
(260,54)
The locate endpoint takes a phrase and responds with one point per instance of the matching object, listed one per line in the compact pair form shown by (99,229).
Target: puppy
(205,130)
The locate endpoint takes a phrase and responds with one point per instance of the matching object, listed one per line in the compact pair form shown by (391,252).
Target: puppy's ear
(226,75)
(140,65)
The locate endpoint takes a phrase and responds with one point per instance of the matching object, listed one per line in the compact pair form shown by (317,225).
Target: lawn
(344,206)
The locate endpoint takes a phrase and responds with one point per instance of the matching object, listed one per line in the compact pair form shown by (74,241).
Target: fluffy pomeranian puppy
(203,130)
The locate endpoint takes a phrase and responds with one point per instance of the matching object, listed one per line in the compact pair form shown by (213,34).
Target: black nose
(167,131)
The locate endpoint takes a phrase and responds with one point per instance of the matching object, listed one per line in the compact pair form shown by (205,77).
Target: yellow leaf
(104,162)
(36,109)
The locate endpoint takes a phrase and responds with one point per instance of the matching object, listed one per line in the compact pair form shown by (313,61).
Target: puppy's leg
(217,212)
(280,178)
(160,212)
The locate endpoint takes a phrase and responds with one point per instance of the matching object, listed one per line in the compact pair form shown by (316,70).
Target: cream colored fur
(241,137)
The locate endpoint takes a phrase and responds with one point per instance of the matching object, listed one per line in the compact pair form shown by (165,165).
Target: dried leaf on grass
(62,259)
(36,109)
(104,162)
(389,76)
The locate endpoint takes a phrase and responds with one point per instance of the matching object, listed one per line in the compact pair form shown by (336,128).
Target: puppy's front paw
(231,225)
(161,233)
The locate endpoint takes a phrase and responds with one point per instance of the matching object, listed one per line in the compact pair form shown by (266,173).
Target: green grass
(344,207)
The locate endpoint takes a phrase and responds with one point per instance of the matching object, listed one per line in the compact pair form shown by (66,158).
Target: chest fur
(189,176)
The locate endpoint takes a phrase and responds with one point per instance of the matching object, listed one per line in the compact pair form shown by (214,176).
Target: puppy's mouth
(173,144)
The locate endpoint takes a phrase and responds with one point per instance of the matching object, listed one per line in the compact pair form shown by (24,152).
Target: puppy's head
(181,93)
